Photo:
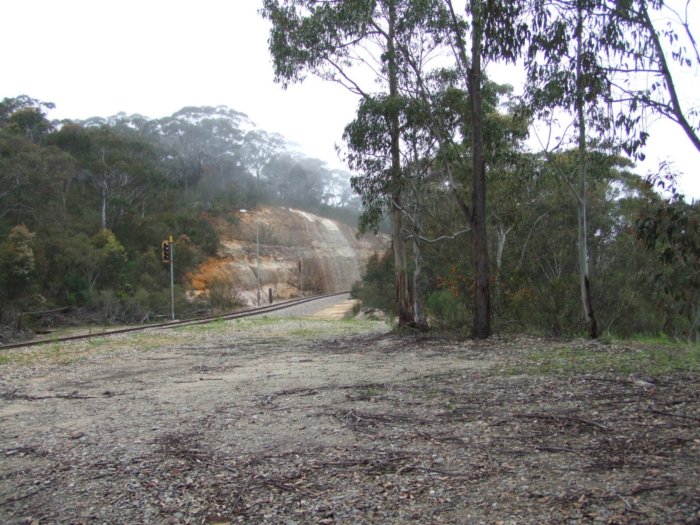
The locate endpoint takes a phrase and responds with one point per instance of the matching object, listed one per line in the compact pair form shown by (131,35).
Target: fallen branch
(29,494)
(555,449)
(559,417)
(672,414)
(241,492)
(27,397)
(435,470)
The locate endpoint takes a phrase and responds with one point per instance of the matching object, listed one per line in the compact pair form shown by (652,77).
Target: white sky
(153,57)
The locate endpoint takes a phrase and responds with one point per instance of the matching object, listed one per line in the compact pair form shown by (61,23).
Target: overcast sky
(153,57)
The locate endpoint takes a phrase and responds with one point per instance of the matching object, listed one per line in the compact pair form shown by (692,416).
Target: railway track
(173,324)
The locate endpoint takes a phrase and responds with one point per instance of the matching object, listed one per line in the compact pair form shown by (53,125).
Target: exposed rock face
(299,253)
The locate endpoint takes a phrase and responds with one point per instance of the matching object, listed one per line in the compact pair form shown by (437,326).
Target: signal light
(165,251)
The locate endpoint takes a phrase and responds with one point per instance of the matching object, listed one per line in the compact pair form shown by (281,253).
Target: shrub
(446,310)
(377,287)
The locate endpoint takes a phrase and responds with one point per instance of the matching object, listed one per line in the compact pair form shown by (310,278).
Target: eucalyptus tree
(603,63)
(340,42)
(471,70)
(330,38)
(368,141)
(204,149)
(486,31)
(565,73)
(497,34)
(295,180)
(34,179)
(120,167)
(26,116)
(258,149)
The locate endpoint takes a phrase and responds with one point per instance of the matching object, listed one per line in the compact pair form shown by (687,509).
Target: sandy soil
(312,421)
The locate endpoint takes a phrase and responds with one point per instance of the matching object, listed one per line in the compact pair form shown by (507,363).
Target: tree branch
(670,86)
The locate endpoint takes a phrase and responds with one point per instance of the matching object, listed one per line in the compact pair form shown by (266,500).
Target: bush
(377,289)
(446,310)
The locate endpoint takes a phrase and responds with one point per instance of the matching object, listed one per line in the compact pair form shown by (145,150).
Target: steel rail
(174,324)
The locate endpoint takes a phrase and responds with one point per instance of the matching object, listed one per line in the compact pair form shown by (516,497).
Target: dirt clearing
(310,421)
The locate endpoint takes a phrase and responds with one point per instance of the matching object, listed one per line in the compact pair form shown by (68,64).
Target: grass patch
(660,340)
(304,332)
(53,352)
(211,326)
(252,322)
(642,339)
(315,329)
(648,360)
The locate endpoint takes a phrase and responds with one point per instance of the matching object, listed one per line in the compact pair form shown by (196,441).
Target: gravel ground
(306,421)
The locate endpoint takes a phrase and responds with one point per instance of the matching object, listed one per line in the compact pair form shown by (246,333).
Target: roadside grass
(57,353)
(649,358)
(53,352)
(50,353)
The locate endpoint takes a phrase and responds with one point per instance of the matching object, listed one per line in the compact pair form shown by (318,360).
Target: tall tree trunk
(582,175)
(103,211)
(501,236)
(419,319)
(403,298)
(482,297)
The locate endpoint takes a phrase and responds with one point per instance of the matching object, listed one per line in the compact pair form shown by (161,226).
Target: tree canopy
(433,126)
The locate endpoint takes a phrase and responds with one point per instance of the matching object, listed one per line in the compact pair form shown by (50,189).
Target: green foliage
(25,116)
(368,138)
(18,274)
(299,43)
(377,287)
(670,229)
(446,310)
(34,182)
(111,257)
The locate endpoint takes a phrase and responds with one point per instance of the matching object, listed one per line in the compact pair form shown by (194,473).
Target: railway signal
(165,252)
(166,255)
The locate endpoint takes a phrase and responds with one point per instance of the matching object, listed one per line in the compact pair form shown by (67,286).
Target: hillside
(326,253)
(85,206)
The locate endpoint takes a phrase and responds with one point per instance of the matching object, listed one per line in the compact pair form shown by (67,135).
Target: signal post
(167,258)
